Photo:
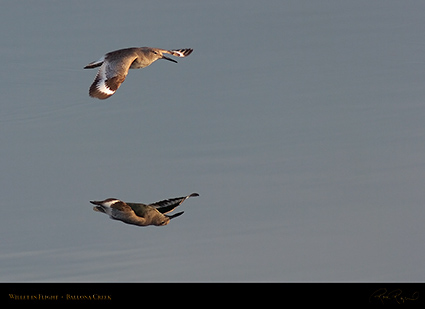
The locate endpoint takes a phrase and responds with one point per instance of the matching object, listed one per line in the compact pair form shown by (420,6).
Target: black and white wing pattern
(169,205)
(113,70)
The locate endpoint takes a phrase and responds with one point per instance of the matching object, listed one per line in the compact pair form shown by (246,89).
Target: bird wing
(136,216)
(175,215)
(139,209)
(180,52)
(112,73)
(166,206)
(121,206)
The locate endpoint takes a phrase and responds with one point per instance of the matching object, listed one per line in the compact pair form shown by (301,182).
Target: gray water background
(299,123)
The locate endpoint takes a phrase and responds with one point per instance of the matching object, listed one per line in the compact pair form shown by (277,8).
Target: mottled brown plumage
(141,214)
(114,67)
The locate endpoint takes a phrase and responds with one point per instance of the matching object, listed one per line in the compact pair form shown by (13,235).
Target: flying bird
(114,66)
(141,214)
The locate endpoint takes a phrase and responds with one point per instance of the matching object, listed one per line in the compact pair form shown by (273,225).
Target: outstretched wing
(169,205)
(180,52)
(111,74)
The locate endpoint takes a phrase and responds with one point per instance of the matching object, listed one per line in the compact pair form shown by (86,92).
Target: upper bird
(114,66)
(141,214)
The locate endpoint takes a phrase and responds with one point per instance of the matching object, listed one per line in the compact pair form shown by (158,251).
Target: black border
(202,294)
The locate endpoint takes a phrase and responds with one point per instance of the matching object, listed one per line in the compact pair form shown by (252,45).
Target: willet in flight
(141,214)
(114,66)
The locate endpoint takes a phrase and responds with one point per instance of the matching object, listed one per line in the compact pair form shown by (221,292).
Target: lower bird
(141,214)
(114,66)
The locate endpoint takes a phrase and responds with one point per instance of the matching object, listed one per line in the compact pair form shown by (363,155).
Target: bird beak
(169,59)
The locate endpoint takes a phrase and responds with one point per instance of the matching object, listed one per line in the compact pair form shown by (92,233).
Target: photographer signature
(394,295)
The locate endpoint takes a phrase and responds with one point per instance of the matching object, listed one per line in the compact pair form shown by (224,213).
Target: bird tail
(95,64)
